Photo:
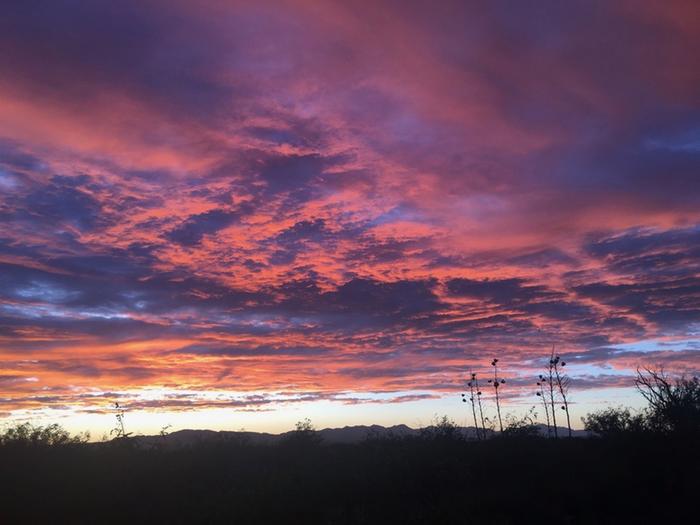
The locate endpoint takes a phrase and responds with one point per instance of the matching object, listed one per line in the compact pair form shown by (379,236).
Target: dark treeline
(435,478)
(642,467)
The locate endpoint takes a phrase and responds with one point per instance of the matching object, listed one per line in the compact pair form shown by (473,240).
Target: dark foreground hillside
(432,478)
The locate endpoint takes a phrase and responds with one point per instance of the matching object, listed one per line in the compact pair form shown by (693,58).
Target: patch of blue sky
(593,369)
(688,142)
(46,292)
(383,396)
(402,212)
(7,181)
(34,311)
(653,345)
(105,314)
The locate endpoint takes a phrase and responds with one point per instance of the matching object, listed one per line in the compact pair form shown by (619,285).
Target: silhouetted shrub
(615,422)
(442,429)
(303,435)
(27,434)
(523,427)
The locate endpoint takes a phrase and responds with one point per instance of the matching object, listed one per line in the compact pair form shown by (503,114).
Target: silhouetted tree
(674,406)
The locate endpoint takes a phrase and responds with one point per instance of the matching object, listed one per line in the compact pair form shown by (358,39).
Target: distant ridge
(344,435)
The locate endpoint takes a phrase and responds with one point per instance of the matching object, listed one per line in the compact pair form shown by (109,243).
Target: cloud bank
(340,198)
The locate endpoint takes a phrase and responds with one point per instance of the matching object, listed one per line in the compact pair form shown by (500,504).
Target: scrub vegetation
(439,475)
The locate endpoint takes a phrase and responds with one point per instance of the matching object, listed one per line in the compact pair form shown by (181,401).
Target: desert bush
(303,435)
(27,434)
(613,422)
(442,429)
(523,427)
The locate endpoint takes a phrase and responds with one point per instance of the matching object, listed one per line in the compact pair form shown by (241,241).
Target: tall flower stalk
(481,408)
(472,391)
(543,397)
(562,385)
(550,384)
(496,383)
(119,430)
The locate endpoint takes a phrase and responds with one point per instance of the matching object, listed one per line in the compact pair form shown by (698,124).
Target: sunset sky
(227,214)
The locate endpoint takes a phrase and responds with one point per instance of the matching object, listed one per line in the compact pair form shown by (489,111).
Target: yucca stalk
(473,403)
(496,383)
(481,408)
(119,430)
(543,397)
(562,383)
(550,382)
